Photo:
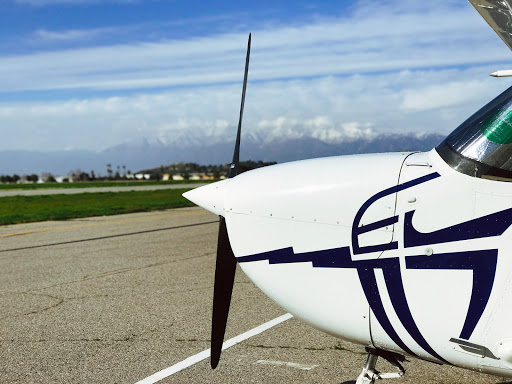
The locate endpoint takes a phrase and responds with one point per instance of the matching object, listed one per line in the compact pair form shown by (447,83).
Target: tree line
(120,172)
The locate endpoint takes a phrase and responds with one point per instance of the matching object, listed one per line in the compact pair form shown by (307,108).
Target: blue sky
(50,24)
(89,74)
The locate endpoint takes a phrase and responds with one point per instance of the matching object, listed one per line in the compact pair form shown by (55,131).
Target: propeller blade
(226,262)
(233,171)
(224,278)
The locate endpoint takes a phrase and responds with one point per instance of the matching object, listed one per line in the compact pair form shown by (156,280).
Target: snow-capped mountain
(150,153)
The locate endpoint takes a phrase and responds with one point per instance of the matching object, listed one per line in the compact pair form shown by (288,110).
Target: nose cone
(209,197)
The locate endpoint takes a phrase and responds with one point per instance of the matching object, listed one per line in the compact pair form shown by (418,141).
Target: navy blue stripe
(486,226)
(378,224)
(483,264)
(329,258)
(378,247)
(395,286)
(371,291)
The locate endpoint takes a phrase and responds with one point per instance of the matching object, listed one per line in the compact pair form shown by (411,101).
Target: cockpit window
(482,145)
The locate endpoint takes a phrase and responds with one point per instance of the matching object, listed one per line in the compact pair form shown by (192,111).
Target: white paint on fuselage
(311,205)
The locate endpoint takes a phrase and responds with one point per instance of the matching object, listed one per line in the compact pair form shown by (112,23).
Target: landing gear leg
(370,374)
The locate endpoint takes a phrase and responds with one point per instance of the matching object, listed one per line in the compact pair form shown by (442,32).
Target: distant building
(200,176)
(193,176)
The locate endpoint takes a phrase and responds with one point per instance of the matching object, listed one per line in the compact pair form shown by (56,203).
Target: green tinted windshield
(482,145)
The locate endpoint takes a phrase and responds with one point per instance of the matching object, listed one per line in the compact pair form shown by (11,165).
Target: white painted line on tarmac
(205,354)
(304,367)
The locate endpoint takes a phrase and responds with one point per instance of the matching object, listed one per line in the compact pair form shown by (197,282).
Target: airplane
(408,254)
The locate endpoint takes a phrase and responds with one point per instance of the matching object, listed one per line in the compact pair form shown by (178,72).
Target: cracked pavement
(116,299)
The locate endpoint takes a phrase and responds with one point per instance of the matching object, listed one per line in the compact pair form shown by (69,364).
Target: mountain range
(154,153)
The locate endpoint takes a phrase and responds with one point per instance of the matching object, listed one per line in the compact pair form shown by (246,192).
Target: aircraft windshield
(482,145)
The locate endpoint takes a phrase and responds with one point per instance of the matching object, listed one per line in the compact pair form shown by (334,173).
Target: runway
(116,299)
(78,189)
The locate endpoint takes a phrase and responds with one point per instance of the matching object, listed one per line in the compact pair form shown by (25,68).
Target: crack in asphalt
(35,312)
(336,347)
(61,300)
(130,337)
(107,237)
(124,270)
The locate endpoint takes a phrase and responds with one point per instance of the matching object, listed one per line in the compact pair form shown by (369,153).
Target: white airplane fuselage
(397,251)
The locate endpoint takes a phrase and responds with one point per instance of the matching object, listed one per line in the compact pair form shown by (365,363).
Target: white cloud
(71,34)
(443,95)
(411,67)
(328,108)
(356,130)
(391,40)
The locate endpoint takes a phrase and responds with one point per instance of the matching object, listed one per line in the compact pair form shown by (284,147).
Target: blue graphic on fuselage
(481,262)
(359,230)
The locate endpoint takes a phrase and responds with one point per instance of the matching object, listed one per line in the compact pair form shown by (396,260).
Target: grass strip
(93,184)
(25,209)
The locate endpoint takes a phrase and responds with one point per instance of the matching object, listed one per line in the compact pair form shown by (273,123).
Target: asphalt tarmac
(117,299)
